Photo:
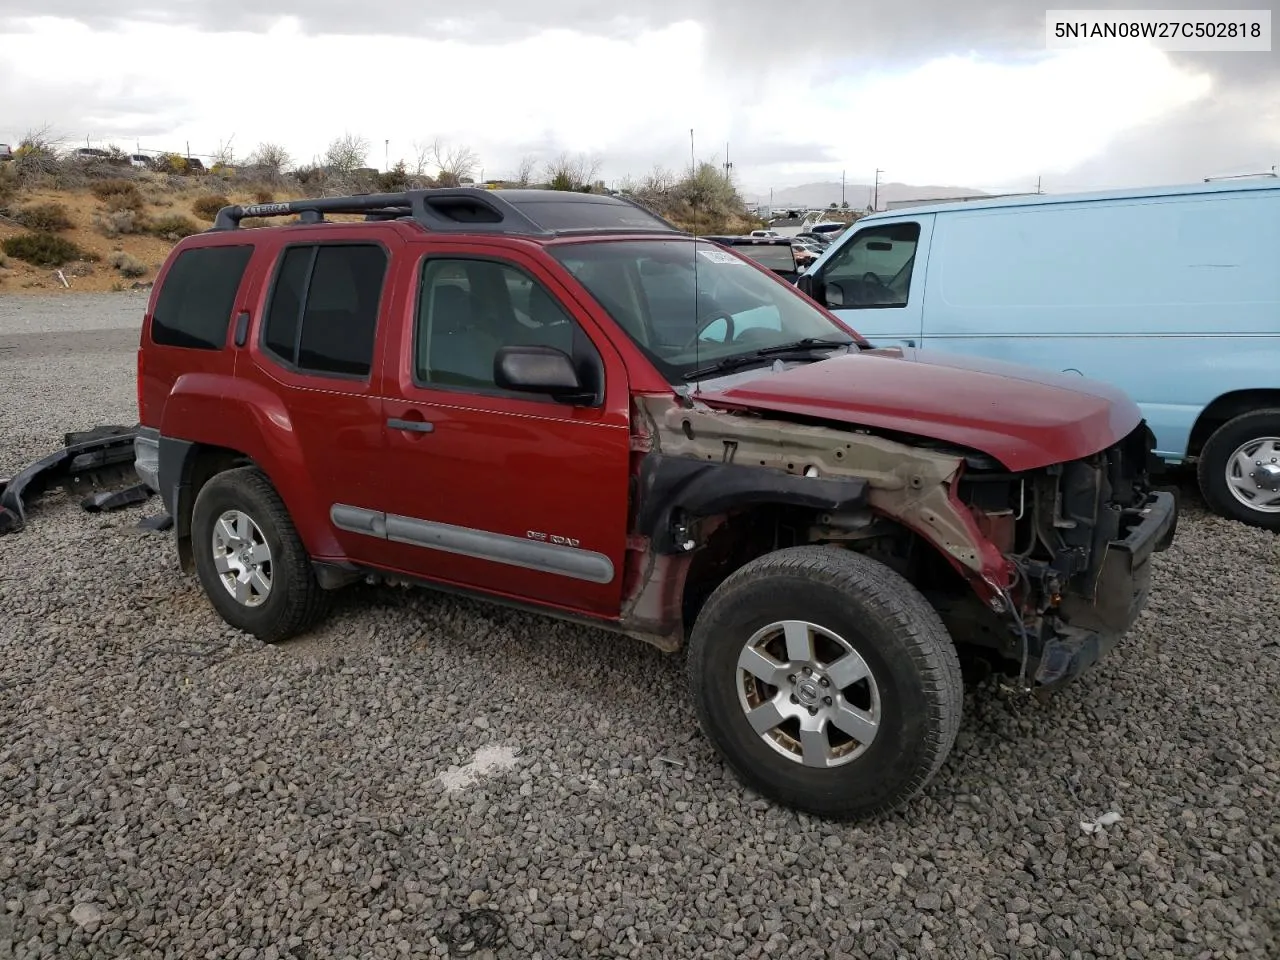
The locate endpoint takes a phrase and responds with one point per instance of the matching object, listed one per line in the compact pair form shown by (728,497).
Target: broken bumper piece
(89,460)
(1089,631)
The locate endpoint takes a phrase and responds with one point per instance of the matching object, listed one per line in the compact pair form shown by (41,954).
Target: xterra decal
(552,538)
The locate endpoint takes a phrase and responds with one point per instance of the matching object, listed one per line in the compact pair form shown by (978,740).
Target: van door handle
(414,426)
(909,343)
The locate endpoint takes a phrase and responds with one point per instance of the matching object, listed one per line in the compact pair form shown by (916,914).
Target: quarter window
(197,296)
(470,309)
(323,312)
(874,268)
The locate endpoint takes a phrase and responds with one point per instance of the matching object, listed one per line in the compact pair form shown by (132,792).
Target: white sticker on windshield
(719,256)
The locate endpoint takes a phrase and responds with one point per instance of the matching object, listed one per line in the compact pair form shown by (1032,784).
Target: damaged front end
(1045,568)
(90,465)
(1079,536)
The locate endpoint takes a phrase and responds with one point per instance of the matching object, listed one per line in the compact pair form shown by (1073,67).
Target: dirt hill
(120,235)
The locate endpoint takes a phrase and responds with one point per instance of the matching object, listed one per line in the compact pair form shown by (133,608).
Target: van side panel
(1174,299)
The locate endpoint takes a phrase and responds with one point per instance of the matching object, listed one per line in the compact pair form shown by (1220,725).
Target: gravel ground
(170,788)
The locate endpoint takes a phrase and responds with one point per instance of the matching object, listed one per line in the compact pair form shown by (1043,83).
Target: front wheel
(1239,470)
(827,682)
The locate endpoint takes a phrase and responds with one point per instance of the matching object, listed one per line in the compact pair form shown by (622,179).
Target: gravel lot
(170,788)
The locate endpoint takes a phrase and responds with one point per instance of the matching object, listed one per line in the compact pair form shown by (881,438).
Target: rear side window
(198,294)
(323,312)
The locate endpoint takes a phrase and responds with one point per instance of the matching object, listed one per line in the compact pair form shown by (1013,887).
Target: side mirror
(812,287)
(539,369)
(833,295)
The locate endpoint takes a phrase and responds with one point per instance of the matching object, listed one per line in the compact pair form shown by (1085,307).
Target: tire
(885,621)
(1216,460)
(293,600)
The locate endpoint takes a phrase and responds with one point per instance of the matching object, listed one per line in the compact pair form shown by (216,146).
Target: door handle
(414,426)
(242,327)
(909,343)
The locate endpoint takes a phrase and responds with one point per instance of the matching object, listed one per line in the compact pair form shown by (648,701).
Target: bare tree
(453,163)
(223,155)
(346,153)
(270,158)
(525,170)
(421,157)
(567,172)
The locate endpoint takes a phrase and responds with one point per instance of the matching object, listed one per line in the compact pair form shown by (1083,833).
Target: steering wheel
(708,321)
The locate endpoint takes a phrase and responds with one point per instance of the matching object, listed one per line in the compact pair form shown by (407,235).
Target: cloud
(930,90)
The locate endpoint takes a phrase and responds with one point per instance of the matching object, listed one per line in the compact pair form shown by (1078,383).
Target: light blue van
(1170,293)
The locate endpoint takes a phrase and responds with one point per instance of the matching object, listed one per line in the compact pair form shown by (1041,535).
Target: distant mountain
(858,195)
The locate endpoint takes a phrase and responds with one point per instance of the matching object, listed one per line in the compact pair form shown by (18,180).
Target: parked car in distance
(561,402)
(822,240)
(1170,293)
(775,253)
(141,161)
(6,152)
(768,234)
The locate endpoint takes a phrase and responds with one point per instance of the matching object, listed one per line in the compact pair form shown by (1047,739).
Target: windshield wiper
(808,343)
(755,356)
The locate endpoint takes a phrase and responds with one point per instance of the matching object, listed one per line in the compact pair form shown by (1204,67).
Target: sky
(939,92)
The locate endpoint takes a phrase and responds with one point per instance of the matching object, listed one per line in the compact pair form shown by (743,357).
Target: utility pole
(875,202)
(842,201)
(727,165)
(1038,190)
(386,155)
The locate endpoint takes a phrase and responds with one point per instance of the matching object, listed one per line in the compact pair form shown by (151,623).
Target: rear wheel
(250,560)
(826,680)
(1239,469)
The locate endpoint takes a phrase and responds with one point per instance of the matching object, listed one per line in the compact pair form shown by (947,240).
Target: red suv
(561,401)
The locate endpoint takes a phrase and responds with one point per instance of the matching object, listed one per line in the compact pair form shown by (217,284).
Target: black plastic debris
(89,459)
(160,521)
(115,499)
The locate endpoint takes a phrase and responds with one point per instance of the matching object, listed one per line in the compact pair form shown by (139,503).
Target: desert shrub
(171,163)
(263,196)
(207,207)
(45,217)
(125,201)
(173,226)
(127,265)
(397,178)
(248,223)
(8,188)
(45,249)
(4,261)
(115,187)
(115,223)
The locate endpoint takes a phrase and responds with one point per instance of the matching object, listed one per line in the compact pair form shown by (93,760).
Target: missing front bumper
(89,460)
(1083,630)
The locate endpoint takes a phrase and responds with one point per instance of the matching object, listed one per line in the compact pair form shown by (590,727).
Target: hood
(1022,416)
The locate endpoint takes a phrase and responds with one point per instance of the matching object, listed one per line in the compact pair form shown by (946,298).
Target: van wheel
(250,559)
(1240,469)
(827,682)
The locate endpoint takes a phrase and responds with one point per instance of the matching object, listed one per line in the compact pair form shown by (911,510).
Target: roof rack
(527,212)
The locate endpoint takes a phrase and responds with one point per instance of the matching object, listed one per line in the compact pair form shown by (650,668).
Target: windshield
(648,287)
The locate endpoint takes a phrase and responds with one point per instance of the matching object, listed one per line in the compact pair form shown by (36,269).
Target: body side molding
(482,544)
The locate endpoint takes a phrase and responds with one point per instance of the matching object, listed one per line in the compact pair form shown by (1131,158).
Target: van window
(195,302)
(873,269)
(333,291)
